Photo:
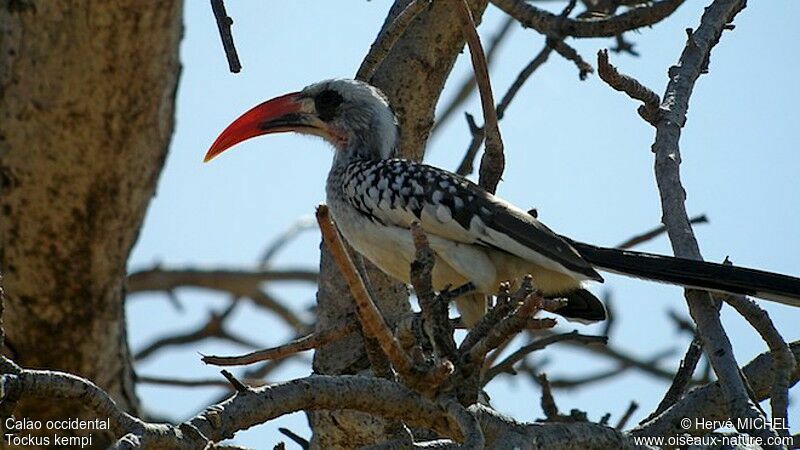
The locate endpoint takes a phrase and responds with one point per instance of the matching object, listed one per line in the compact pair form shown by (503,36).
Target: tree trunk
(86,115)
(412,76)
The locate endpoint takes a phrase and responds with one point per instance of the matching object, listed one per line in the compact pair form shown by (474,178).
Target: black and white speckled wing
(397,192)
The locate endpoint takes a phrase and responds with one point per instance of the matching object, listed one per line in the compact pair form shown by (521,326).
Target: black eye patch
(327,104)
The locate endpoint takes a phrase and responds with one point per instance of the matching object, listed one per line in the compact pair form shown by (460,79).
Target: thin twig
(682,377)
(527,298)
(224,25)
(300,225)
(214,327)
(180,382)
(655,232)
(238,385)
(493,161)
(466,166)
(570,54)
(539,344)
(468,85)
(309,342)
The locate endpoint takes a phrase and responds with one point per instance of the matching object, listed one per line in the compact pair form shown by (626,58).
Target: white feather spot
(477,227)
(437,197)
(383,183)
(443,214)
(373,192)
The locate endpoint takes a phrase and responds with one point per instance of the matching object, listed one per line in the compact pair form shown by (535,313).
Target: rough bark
(86,113)
(412,76)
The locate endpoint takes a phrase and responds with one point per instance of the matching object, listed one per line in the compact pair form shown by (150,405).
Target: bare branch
(214,327)
(569,53)
(547,23)
(623,83)
(682,377)
(241,282)
(784,363)
(371,319)
(477,133)
(300,225)
(384,43)
(224,25)
(527,299)
(309,342)
(710,402)
(190,383)
(508,363)
(468,85)
(493,162)
(238,385)
(253,406)
(655,232)
(693,62)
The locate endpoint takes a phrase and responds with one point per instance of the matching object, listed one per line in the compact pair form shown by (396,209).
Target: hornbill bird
(479,240)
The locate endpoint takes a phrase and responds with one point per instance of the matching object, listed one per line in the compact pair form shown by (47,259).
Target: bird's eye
(327,104)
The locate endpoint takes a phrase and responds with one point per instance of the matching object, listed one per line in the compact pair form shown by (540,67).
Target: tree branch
(693,62)
(224,25)
(388,38)
(623,83)
(309,342)
(493,162)
(547,23)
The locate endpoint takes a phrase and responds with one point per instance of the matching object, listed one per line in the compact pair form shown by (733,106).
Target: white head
(352,115)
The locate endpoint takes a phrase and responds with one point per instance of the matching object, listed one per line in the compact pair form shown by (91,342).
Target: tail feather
(695,274)
(472,308)
(582,306)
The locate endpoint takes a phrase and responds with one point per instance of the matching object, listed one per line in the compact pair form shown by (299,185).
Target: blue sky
(576,150)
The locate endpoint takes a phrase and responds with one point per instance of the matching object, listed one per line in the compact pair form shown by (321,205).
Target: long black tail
(694,274)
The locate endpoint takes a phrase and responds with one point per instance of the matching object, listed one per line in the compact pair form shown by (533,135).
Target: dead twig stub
(636,90)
